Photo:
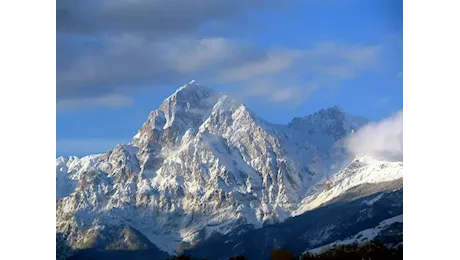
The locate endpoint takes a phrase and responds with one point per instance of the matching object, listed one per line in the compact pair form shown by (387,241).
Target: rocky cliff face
(203,164)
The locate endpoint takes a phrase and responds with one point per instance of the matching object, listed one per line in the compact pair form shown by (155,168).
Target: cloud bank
(382,140)
(110,50)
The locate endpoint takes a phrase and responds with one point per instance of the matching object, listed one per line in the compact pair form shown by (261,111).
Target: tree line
(369,251)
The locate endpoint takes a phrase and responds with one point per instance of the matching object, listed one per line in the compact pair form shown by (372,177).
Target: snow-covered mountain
(202,164)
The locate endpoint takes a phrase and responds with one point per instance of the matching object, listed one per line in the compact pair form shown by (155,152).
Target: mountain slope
(204,164)
(391,226)
(117,242)
(313,229)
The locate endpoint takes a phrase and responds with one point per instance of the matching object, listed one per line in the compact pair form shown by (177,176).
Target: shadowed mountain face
(63,251)
(204,165)
(313,229)
(114,242)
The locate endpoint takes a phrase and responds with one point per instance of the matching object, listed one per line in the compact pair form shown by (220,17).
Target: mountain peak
(192,86)
(189,85)
(333,121)
(190,93)
(186,108)
(334,110)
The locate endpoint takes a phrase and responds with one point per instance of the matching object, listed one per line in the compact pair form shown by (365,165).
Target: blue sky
(116,61)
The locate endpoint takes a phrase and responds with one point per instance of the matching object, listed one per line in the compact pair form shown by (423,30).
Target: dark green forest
(369,251)
(375,250)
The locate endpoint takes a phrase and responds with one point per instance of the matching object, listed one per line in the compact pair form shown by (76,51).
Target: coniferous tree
(181,257)
(282,254)
(240,257)
(372,250)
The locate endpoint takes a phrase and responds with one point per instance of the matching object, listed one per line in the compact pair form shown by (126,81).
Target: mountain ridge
(203,163)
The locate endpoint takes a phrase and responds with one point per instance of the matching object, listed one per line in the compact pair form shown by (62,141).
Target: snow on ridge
(360,171)
(362,236)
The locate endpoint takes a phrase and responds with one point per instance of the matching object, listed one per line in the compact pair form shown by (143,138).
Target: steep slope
(361,170)
(313,229)
(204,164)
(117,242)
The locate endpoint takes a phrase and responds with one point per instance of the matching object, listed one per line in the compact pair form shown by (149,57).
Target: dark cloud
(126,63)
(147,16)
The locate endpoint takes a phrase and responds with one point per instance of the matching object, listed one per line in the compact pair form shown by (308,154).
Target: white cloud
(128,63)
(341,61)
(119,48)
(280,75)
(106,47)
(203,54)
(278,92)
(381,140)
(285,94)
(273,62)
